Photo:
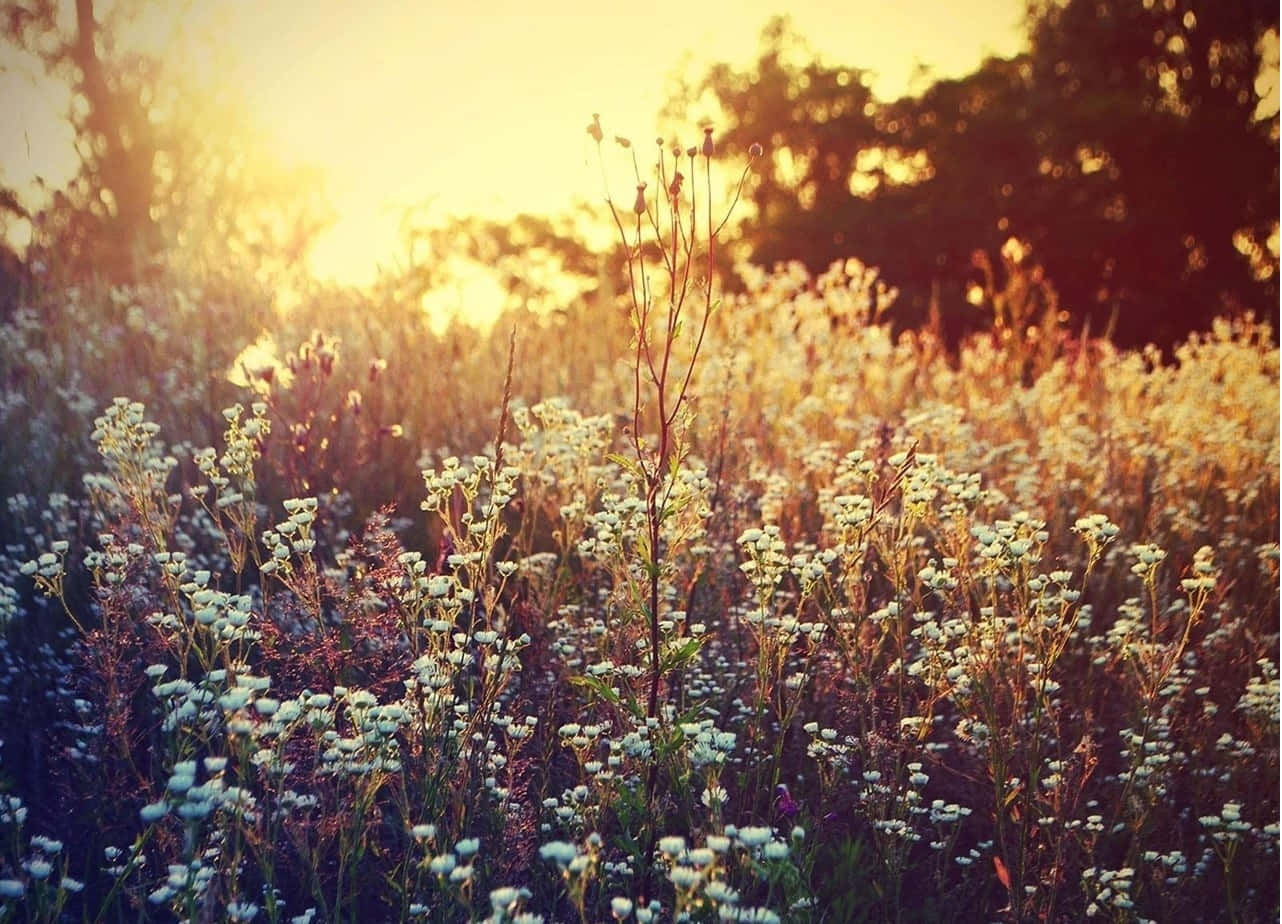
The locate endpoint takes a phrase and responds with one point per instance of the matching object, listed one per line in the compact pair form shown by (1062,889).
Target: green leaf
(691,715)
(680,656)
(599,687)
(626,463)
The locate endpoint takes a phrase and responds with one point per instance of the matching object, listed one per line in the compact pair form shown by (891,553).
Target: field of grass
(670,609)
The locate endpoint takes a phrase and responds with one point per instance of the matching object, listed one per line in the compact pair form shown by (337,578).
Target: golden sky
(480,107)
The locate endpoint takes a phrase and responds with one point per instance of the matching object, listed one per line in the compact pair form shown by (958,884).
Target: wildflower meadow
(729,599)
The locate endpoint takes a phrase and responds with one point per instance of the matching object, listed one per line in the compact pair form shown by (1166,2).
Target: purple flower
(784,803)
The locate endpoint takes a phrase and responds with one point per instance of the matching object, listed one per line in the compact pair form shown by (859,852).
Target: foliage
(168,171)
(1073,150)
(976,630)
(788,604)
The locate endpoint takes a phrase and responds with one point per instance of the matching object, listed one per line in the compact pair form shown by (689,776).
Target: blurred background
(435,156)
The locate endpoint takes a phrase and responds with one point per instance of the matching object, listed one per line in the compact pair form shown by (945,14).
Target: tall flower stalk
(665,249)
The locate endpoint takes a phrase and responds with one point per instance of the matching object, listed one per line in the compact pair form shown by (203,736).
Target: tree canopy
(1131,154)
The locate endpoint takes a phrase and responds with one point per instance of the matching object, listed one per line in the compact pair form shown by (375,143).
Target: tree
(1127,152)
(163,168)
(1154,109)
(815,121)
(535,261)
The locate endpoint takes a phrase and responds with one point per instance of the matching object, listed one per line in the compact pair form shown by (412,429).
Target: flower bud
(595,128)
(754,149)
(707,142)
(639,205)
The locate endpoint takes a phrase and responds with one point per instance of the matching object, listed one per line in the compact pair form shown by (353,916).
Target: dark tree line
(1129,150)
(1132,152)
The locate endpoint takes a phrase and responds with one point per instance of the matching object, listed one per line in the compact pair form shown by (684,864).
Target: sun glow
(480,109)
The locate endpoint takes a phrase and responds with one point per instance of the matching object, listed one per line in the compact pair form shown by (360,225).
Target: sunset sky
(481,107)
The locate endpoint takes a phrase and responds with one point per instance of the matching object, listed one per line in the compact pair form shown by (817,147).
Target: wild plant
(937,638)
(662,278)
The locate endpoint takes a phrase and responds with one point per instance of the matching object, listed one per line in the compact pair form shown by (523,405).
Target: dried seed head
(708,147)
(639,205)
(674,188)
(754,149)
(691,151)
(622,142)
(595,128)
